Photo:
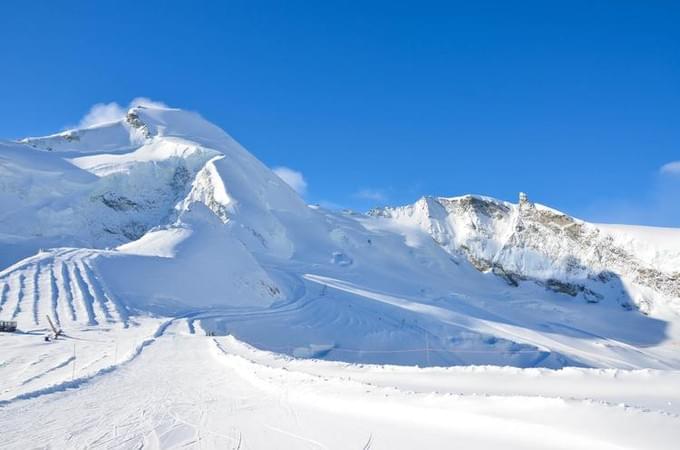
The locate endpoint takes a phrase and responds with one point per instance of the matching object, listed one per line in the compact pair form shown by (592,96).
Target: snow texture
(205,304)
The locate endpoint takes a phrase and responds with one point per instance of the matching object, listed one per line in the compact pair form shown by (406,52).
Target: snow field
(186,389)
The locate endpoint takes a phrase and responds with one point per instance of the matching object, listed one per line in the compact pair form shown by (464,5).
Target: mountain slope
(531,241)
(162,213)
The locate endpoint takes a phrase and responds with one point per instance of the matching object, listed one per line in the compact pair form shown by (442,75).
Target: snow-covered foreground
(181,388)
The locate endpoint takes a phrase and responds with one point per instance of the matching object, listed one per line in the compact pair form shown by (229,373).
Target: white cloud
(293,178)
(672,168)
(371,194)
(102,113)
(110,112)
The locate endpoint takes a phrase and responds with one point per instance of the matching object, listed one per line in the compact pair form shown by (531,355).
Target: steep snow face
(149,182)
(530,241)
(480,224)
(95,201)
(195,264)
(107,185)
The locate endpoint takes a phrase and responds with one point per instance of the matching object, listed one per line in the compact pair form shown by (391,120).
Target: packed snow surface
(180,388)
(204,304)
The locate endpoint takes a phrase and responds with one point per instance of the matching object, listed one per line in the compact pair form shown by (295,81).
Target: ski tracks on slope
(63,283)
(83,380)
(338,391)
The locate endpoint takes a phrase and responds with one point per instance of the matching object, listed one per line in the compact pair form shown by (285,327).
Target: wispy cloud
(671,168)
(293,178)
(110,112)
(376,195)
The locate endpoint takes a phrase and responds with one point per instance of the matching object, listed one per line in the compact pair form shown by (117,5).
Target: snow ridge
(530,241)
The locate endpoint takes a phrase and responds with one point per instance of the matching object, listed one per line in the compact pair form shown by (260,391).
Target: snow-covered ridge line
(531,241)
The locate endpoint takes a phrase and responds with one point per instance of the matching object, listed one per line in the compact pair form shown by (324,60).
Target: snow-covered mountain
(162,213)
(528,241)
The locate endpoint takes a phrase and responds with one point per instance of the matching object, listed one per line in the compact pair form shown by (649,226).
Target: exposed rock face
(133,119)
(528,241)
(118,202)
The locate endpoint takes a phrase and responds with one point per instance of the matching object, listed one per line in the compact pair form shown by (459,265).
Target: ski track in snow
(219,392)
(80,381)
(544,341)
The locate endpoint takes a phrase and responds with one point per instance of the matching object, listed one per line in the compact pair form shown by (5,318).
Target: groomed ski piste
(205,305)
(178,388)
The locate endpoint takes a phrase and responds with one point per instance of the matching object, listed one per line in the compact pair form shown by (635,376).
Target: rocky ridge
(530,242)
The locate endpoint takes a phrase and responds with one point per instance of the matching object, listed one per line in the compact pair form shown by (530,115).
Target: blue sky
(576,103)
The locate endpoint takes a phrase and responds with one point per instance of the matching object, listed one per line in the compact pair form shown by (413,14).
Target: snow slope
(200,296)
(656,246)
(163,213)
(217,392)
(528,241)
